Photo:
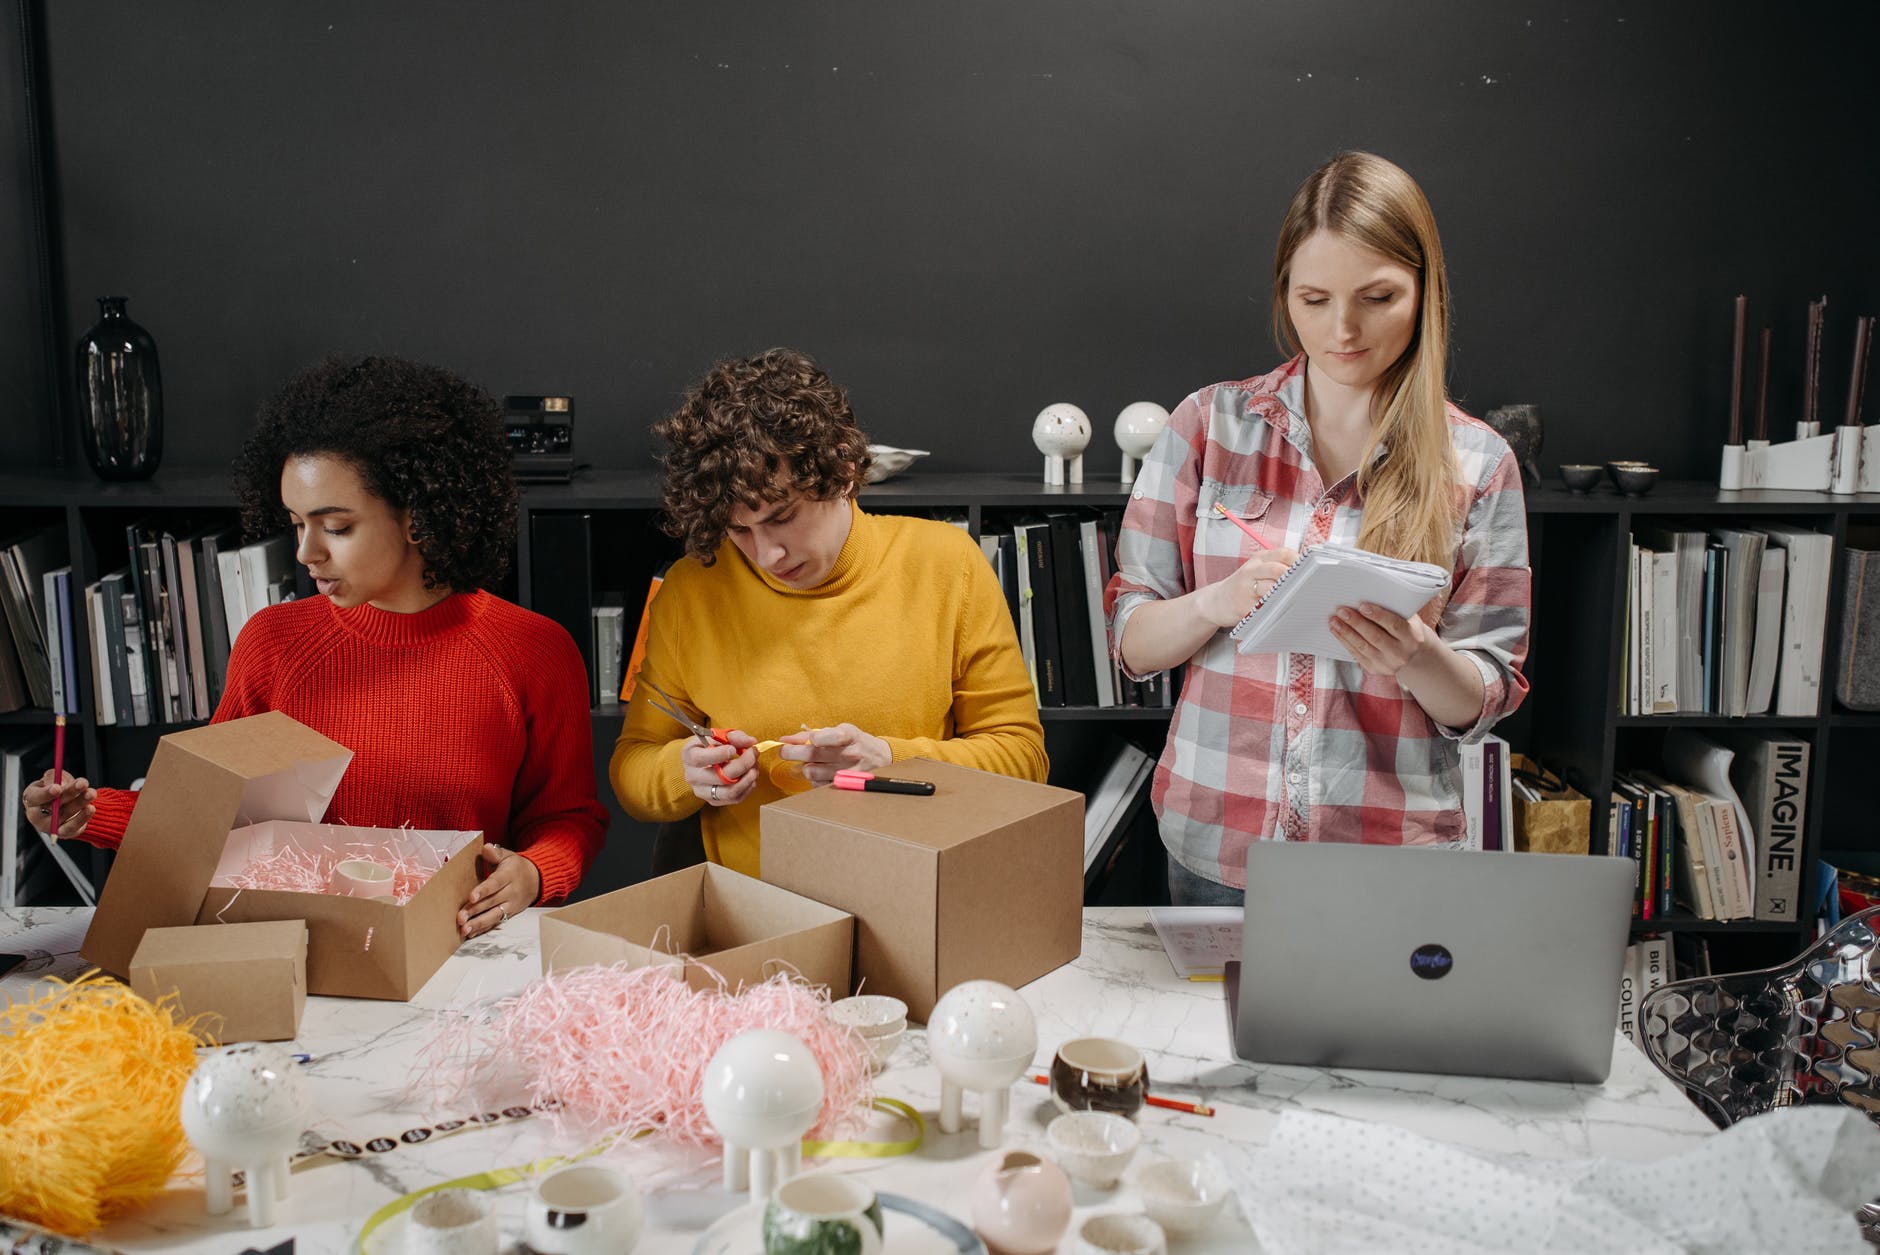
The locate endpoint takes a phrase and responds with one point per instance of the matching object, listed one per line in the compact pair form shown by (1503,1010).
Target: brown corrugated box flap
(252,977)
(202,783)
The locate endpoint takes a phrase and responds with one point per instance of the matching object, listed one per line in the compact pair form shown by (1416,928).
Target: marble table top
(365,1055)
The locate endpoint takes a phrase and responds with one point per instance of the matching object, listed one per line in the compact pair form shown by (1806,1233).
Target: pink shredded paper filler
(292,869)
(626,1048)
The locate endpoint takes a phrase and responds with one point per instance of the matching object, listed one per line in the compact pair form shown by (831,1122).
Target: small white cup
(1093,1146)
(362,878)
(1182,1195)
(451,1222)
(584,1209)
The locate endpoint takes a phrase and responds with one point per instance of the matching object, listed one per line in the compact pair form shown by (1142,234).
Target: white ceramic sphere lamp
(244,1108)
(763,1091)
(1136,429)
(982,1036)
(1061,431)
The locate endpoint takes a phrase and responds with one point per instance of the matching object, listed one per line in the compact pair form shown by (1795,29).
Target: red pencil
(1173,1104)
(58,769)
(1242,524)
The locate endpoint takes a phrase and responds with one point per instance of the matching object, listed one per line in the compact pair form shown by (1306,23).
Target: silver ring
(713,795)
(505,910)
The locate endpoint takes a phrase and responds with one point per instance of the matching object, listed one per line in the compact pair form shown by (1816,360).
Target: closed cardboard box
(704,920)
(251,977)
(981,881)
(217,795)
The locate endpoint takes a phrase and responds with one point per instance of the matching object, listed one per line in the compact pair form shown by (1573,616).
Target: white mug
(362,878)
(451,1222)
(584,1209)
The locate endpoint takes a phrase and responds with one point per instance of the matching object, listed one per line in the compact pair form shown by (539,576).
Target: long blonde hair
(1410,499)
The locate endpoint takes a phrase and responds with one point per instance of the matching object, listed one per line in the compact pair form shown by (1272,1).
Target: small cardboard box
(206,783)
(982,880)
(253,977)
(718,919)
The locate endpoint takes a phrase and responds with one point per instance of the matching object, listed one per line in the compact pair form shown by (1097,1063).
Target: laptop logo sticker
(1432,962)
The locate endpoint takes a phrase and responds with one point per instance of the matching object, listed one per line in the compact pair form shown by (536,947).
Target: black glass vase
(120,395)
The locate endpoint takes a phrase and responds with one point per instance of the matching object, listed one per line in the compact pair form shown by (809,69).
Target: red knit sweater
(471,715)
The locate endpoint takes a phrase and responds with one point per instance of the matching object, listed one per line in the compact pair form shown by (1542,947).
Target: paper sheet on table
(1199,940)
(1786,1181)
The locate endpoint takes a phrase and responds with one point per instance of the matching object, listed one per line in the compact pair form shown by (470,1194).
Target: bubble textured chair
(1806,1032)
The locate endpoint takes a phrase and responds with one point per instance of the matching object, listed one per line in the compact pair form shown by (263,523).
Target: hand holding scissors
(712,751)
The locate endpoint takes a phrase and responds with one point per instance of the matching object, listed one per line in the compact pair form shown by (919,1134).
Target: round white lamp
(763,1090)
(1061,432)
(982,1036)
(244,1108)
(1136,429)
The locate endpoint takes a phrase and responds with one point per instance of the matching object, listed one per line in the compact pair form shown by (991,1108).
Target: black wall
(966,210)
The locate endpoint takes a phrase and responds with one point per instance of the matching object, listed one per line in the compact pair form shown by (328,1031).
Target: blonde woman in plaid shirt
(1354,441)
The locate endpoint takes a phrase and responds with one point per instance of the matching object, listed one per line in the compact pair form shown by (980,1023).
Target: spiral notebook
(1295,615)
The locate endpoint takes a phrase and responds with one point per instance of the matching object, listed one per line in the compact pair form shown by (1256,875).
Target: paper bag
(1560,823)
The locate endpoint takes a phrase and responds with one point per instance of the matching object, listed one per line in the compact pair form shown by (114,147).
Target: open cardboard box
(252,978)
(719,920)
(206,783)
(982,880)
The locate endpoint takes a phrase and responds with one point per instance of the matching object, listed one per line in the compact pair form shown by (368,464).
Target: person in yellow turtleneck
(854,639)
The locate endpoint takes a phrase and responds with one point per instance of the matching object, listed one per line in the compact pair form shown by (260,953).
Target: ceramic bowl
(763,1089)
(1182,1195)
(1613,467)
(584,1209)
(982,1035)
(1120,1233)
(871,1015)
(361,878)
(881,1047)
(1099,1074)
(1635,481)
(1579,477)
(451,1222)
(1093,1146)
(887,461)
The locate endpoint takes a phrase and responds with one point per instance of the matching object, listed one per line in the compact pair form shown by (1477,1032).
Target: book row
(154,635)
(1725,620)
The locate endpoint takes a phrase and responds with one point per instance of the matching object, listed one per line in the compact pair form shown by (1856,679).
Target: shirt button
(1293,777)
(1299,708)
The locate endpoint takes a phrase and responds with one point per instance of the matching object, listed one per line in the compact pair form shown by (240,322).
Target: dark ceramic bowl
(1579,477)
(1099,1074)
(1613,468)
(1635,481)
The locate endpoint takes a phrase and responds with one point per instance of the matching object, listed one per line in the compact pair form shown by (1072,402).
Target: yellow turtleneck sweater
(909,639)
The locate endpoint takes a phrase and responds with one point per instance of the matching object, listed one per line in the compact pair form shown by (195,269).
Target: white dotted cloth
(1788,1181)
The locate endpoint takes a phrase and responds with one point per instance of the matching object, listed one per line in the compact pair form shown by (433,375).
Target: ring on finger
(503,907)
(713,795)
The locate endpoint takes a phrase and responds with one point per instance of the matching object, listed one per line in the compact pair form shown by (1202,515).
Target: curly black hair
(740,429)
(423,440)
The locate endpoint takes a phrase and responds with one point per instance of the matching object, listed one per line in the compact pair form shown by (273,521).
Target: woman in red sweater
(462,710)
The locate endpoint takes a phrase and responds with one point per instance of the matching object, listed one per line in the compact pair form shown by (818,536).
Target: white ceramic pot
(451,1222)
(243,1109)
(762,1091)
(815,1215)
(1137,427)
(981,1036)
(1061,431)
(584,1209)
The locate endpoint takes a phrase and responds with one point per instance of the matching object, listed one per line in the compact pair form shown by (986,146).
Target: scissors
(705,735)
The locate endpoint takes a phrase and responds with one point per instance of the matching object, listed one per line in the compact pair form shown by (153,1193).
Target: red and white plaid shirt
(1292,746)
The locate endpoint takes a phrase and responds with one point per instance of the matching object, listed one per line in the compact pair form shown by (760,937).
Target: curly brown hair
(752,432)
(423,440)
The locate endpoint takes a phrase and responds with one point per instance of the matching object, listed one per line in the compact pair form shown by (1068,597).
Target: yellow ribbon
(874,1150)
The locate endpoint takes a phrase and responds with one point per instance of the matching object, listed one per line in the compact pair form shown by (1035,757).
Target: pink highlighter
(869,782)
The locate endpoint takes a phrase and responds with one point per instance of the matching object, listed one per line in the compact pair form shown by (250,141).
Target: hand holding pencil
(1226,602)
(71,796)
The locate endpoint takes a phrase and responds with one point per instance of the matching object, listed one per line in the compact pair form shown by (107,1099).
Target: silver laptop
(1431,960)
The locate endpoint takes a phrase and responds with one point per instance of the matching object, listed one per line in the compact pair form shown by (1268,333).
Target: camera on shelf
(541,438)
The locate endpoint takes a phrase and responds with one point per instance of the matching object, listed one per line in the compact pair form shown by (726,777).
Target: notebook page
(1295,616)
